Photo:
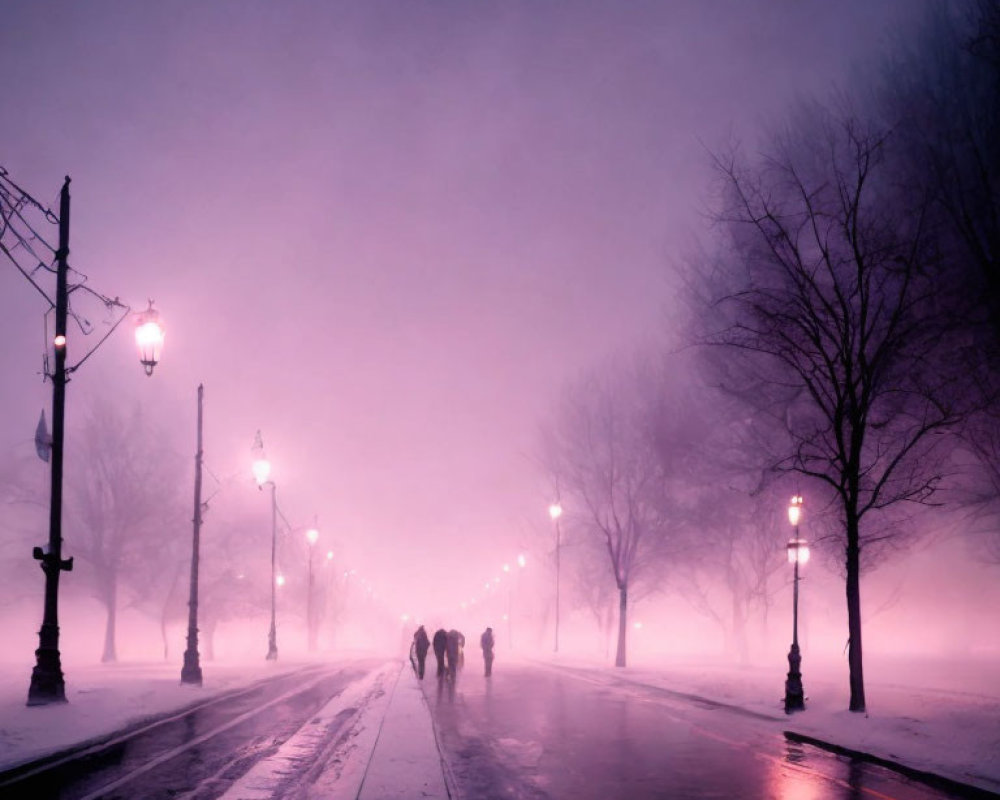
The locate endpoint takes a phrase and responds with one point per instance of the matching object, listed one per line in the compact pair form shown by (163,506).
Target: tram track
(197,751)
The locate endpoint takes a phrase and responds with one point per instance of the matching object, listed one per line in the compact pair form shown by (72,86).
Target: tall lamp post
(191,671)
(312,535)
(798,553)
(47,681)
(555,511)
(262,473)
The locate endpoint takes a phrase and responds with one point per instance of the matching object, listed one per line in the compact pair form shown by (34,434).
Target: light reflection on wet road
(535,733)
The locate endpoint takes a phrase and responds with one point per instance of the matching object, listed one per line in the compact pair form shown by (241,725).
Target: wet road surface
(537,733)
(194,754)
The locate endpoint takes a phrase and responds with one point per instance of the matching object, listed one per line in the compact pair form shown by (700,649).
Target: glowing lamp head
(261,470)
(555,511)
(521,560)
(149,334)
(312,535)
(798,551)
(261,466)
(506,567)
(280,580)
(329,555)
(795,509)
(59,341)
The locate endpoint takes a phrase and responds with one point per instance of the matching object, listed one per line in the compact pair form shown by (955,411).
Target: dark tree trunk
(163,636)
(854,615)
(739,642)
(622,625)
(111,600)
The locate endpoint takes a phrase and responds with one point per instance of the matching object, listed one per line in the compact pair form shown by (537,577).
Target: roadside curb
(932,779)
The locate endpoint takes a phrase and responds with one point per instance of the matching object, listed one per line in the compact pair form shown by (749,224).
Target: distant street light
(191,671)
(555,511)
(262,473)
(312,535)
(798,553)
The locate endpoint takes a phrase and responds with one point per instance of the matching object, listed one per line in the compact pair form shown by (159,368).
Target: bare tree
(826,288)
(124,509)
(730,501)
(941,95)
(741,550)
(232,584)
(23,505)
(601,452)
(592,585)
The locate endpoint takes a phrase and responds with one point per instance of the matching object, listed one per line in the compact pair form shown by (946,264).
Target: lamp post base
(272,646)
(47,685)
(191,671)
(794,693)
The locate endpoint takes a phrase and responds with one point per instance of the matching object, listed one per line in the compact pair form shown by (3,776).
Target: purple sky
(386,233)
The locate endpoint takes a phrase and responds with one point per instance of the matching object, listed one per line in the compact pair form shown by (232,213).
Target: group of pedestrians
(449,651)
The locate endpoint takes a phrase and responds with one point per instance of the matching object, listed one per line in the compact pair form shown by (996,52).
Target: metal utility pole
(272,635)
(47,685)
(191,671)
(555,511)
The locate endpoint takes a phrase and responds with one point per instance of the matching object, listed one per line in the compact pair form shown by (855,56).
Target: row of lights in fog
(798,554)
(261,468)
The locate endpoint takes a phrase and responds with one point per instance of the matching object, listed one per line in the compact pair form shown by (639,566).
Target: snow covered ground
(104,698)
(941,718)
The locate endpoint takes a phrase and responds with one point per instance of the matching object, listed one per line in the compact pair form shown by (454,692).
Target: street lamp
(312,535)
(798,553)
(191,671)
(555,511)
(262,473)
(47,681)
(149,337)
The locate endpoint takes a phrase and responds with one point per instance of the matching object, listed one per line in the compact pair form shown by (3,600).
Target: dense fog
(407,243)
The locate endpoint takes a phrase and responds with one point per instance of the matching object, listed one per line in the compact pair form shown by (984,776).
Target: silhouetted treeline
(840,333)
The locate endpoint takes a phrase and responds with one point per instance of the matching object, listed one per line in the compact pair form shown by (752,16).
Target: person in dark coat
(440,643)
(454,652)
(420,645)
(486,642)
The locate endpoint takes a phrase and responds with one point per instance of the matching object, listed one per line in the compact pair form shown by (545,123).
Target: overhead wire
(19,240)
